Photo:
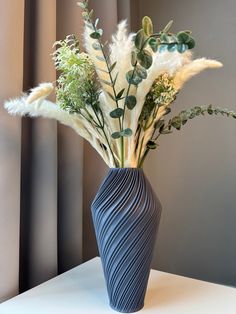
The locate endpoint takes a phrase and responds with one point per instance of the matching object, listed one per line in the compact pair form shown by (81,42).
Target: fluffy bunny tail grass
(40,92)
(193,68)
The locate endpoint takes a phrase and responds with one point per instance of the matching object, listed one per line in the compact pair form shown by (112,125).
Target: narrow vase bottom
(133,310)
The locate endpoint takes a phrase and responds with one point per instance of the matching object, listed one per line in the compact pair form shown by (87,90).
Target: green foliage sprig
(77,87)
(164,40)
(162,127)
(142,60)
(161,94)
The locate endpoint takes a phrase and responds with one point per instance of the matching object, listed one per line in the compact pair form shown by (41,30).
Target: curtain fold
(11,83)
(39,261)
(40,162)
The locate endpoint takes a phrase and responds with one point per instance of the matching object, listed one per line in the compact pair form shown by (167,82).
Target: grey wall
(194,170)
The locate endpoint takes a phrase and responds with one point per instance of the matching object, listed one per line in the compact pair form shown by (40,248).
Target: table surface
(82,291)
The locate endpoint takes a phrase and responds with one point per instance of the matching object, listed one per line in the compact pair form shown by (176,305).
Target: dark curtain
(41,162)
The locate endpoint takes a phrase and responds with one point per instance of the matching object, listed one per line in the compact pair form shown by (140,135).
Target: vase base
(127,311)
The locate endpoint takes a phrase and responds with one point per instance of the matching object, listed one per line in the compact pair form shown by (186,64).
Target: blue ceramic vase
(126,215)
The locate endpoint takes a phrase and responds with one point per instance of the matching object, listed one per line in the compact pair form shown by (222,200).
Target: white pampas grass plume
(120,52)
(193,68)
(40,92)
(48,109)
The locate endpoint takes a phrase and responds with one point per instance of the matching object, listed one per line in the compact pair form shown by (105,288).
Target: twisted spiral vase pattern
(126,215)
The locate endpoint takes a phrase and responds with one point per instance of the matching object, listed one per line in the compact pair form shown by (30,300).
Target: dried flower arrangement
(118,95)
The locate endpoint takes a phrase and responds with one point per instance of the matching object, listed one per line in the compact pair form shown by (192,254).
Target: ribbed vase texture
(126,216)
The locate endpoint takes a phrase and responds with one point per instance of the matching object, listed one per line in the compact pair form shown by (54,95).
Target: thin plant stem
(114,93)
(105,135)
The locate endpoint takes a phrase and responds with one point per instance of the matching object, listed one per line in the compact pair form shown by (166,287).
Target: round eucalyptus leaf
(145,59)
(162,48)
(117,113)
(147,26)
(116,135)
(130,102)
(172,47)
(133,78)
(95,35)
(183,37)
(210,110)
(140,39)
(153,44)
(151,145)
(176,122)
(181,48)
(126,132)
(191,43)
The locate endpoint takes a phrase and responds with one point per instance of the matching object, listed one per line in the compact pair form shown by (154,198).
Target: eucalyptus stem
(89,118)
(141,144)
(105,135)
(122,124)
(116,101)
(140,165)
(140,150)
(127,94)
(182,118)
(113,89)
(140,162)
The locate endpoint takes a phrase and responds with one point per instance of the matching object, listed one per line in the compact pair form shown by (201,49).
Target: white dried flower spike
(48,109)
(193,68)
(40,92)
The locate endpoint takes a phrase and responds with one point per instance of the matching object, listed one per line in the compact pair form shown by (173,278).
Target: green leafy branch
(141,60)
(180,120)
